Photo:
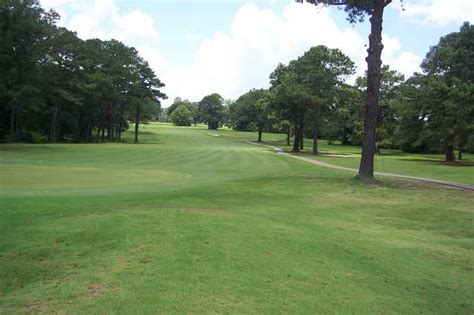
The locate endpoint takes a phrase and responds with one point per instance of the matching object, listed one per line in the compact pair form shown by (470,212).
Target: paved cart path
(279,151)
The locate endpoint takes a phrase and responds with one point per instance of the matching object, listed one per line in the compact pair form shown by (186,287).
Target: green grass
(195,221)
(389,161)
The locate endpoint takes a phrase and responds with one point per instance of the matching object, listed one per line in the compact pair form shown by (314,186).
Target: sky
(199,47)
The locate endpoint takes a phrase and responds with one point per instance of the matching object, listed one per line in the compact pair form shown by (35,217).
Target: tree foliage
(181,116)
(357,10)
(305,89)
(52,83)
(437,112)
(211,110)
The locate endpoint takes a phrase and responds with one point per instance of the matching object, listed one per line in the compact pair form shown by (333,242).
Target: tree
(53,83)
(211,110)
(63,72)
(24,31)
(344,118)
(357,9)
(452,59)
(176,102)
(435,114)
(322,70)
(145,88)
(304,90)
(244,112)
(387,123)
(181,116)
(290,100)
(192,108)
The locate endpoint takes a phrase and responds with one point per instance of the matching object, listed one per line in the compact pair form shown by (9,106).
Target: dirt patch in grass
(96,289)
(32,308)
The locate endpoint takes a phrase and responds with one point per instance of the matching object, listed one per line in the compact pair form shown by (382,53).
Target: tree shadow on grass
(441,162)
(148,133)
(397,184)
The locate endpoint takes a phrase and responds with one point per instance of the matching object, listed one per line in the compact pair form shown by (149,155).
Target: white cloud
(406,63)
(57,5)
(136,26)
(403,61)
(439,12)
(103,19)
(231,63)
(234,62)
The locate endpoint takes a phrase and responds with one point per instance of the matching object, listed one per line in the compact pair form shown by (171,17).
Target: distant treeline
(56,87)
(310,97)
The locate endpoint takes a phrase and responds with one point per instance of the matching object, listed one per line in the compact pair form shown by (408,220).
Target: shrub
(37,137)
(181,116)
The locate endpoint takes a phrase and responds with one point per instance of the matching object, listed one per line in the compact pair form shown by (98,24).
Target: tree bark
(18,124)
(374,62)
(296,142)
(260,131)
(301,139)
(460,155)
(53,133)
(109,131)
(449,153)
(120,126)
(288,136)
(12,120)
(315,143)
(315,135)
(137,122)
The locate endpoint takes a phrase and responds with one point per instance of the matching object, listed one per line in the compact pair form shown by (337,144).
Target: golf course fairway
(198,221)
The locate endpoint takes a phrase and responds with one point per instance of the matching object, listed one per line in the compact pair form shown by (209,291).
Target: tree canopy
(356,11)
(211,110)
(54,84)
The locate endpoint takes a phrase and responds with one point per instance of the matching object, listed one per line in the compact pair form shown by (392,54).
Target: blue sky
(200,47)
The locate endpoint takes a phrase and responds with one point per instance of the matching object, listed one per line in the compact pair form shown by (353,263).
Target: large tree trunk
(449,153)
(315,143)
(288,136)
(12,120)
(18,124)
(374,62)
(137,122)
(53,133)
(315,135)
(89,131)
(260,132)
(120,123)
(296,142)
(299,135)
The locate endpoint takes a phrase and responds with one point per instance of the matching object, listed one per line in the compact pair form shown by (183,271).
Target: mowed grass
(196,221)
(389,161)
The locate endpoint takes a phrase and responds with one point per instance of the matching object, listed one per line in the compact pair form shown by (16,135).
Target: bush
(181,116)
(36,137)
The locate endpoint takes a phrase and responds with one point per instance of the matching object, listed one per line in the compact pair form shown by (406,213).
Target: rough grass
(189,222)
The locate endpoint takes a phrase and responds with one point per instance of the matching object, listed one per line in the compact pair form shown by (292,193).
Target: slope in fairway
(197,221)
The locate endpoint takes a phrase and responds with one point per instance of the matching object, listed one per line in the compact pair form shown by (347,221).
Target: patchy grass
(187,222)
